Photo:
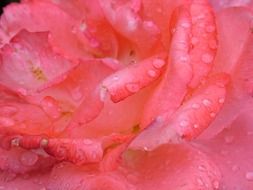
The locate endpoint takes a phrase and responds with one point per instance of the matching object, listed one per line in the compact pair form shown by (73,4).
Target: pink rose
(126,95)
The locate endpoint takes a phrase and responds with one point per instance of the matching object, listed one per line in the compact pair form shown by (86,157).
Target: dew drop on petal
(82,27)
(195,126)
(152,73)
(22,91)
(15,142)
(206,102)
(186,25)
(115,78)
(158,63)
(195,106)
(207,58)
(184,123)
(249,175)
(29,158)
(50,106)
(132,87)
(221,100)
(43,142)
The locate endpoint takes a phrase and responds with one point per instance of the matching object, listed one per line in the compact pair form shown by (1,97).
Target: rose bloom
(126,95)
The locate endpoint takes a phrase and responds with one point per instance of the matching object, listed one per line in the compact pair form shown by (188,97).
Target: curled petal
(134,77)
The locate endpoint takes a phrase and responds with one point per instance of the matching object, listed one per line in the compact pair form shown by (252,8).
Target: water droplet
(152,73)
(210,28)
(82,27)
(206,102)
(29,158)
(207,58)
(186,25)
(229,139)
(221,100)
(158,63)
(6,122)
(15,142)
(184,58)
(196,126)
(115,78)
(249,176)
(87,141)
(212,114)
(195,106)
(216,184)
(22,91)
(184,123)
(132,24)
(132,87)
(44,142)
(50,106)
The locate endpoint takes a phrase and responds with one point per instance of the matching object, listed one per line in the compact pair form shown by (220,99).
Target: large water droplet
(152,73)
(22,91)
(206,102)
(44,143)
(29,158)
(132,87)
(249,176)
(221,100)
(195,106)
(82,27)
(207,58)
(184,123)
(15,142)
(158,63)
(186,25)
